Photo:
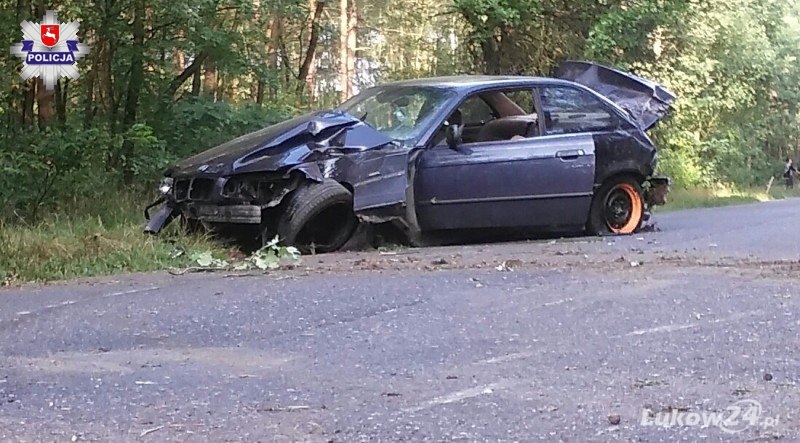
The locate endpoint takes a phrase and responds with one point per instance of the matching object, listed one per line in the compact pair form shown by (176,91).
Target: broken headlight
(165,187)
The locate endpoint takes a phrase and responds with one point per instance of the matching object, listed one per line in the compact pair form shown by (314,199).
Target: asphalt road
(545,340)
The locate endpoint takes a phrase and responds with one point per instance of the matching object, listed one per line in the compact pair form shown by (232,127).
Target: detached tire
(617,208)
(318,218)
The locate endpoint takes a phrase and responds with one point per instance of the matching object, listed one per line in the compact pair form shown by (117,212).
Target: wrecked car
(434,155)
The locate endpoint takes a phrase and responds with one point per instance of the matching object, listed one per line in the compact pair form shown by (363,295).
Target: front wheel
(617,208)
(318,218)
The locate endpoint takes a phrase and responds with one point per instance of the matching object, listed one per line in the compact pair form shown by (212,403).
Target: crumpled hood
(283,145)
(647,102)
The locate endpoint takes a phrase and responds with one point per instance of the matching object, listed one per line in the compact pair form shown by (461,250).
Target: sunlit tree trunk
(352,28)
(179,60)
(257,83)
(210,80)
(275,37)
(344,31)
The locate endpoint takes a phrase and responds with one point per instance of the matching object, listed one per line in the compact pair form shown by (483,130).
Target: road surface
(543,340)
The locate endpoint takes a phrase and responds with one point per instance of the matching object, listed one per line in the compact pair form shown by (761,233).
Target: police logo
(49,34)
(49,49)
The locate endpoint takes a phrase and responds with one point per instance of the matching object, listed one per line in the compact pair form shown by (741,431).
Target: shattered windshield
(400,112)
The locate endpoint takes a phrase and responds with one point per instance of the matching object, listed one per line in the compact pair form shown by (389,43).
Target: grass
(93,240)
(103,235)
(707,198)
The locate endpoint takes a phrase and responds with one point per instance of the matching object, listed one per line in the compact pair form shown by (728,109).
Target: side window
(523,98)
(568,110)
(497,115)
(475,112)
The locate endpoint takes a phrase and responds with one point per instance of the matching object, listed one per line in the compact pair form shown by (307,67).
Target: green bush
(44,171)
(198,123)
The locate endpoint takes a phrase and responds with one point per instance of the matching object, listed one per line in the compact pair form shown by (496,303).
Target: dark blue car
(434,155)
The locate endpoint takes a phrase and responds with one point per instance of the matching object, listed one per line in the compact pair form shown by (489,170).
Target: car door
(569,109)
(535,180)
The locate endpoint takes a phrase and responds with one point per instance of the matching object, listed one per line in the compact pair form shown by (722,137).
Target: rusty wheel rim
(623,209)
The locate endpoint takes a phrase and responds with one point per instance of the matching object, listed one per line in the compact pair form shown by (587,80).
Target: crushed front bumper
(161,218)
(241,214)
(207,213)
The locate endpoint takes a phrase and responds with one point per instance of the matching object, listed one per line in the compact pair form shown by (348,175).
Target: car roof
(471,82)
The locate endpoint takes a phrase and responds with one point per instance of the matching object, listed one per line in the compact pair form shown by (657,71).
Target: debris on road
(285,409)
(151,430)
(614,419)
(270,257)
(508,265)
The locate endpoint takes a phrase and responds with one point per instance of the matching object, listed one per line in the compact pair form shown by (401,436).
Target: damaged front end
(244,181)
(218,200)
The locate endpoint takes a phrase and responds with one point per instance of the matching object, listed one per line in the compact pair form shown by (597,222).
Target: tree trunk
(102,61)
(88,106)
(257,85)
(196,82)
(45,102)
(45,99)
(179,61)
(275,38)
(260,92)
(135,82)
(352,28)
(29,97)
(305,76)
(17,100)
(136,73)
(62,89)
(491,57)
(193,70)
(210,80)
(344,31)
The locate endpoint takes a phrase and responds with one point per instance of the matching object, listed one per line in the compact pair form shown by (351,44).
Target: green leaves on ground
(270,256)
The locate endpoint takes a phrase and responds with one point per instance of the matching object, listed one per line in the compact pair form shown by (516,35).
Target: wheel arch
(347,185)
(634,174)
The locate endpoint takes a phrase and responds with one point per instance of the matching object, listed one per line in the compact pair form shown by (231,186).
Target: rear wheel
(318,218)
(617,208)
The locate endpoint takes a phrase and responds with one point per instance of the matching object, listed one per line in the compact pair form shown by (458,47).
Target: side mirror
(453,136)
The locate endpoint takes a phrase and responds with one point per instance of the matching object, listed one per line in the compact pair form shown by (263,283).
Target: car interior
(492,116)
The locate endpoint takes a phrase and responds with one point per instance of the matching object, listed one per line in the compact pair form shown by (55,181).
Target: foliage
(103,239)
(736,76)
(165,80)
(269,257)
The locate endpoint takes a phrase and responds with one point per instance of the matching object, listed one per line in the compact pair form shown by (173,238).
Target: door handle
(570,154)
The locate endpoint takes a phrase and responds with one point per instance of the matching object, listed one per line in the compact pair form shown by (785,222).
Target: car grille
(194,189)
(201,188)
(181,189)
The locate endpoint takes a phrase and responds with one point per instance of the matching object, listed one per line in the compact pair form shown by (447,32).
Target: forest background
(166,79)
